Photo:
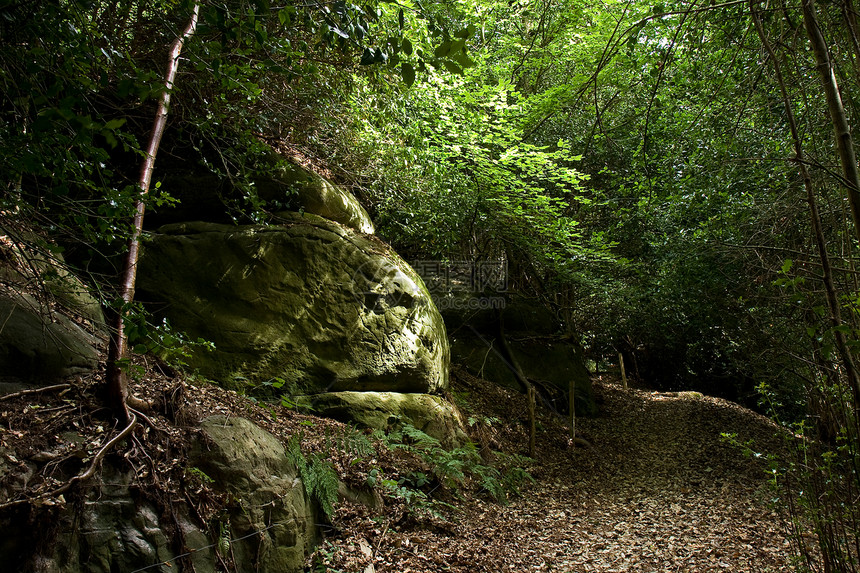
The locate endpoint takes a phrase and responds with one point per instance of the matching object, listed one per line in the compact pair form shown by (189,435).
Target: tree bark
(623,372)
(117,382)
(850,18)
(572,407)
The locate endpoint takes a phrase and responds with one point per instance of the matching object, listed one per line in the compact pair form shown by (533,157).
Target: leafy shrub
(161,340)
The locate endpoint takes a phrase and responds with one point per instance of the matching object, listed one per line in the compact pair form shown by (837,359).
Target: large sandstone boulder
(308,303)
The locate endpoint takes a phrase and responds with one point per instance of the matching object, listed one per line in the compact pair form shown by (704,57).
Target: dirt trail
(660,491)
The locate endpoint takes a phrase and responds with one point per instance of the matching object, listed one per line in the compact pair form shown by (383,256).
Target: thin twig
(35,391)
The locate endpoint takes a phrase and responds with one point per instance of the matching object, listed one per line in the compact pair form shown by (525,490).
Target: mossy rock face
(114,528)
(308,302)
(319,196)
(40,345)
(552,363)
(53,277)
(532,331)
(433,415)
(48,332)
(521,314)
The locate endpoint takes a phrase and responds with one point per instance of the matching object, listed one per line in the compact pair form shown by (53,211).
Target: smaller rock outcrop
(433,415)
(317,195)
(250,464)
(50,324)
(549,360)
(270,524)
(37,345)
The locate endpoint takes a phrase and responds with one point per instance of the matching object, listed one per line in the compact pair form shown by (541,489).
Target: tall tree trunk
(823,516)
(841,129)
(117,383)
(844,143)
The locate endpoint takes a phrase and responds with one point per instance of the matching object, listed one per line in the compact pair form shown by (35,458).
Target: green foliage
(79,81)
(351,442)
(323,556)
(452,469)
(814,478)
(317,473)
(174,347)
(631,162)
(199,475)
(225,538)
(457,174)
(408,490)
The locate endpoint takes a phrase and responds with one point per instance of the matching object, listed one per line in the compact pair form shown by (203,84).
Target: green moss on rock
(433,415)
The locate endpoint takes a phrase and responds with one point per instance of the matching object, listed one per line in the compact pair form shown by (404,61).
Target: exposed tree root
(90,471)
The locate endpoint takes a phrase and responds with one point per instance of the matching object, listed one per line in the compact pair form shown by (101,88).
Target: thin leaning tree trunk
(836,111)
(850,18)
(117,351)
(521,378)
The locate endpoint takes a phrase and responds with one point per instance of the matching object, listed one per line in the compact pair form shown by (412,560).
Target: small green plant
(350,441)
(486,421)
(514,474)
(162,340)
(415,480)
(746,448)
(407,490)
(199,475)
(323,557)
(273,390)
(461,399)
(318,475)
(224,538)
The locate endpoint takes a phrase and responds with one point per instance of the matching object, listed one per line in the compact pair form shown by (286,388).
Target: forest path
(660,491)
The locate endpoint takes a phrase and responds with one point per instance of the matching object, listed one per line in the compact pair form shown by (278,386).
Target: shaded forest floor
(659,491)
